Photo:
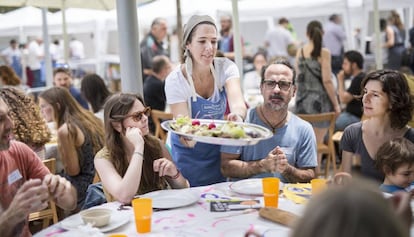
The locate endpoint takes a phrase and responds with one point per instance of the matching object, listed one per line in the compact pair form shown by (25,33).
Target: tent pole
(129,51)
(349,35)
(179,29)
(46,43)
(378,51)
(65,33)
(237,39)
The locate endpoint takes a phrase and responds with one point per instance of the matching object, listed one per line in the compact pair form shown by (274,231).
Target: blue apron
(17,66)
(201,164)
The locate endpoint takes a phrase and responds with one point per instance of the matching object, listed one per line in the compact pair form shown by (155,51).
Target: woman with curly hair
(8,77)
(80,135)
(133,161)
(388,105)
(29,126)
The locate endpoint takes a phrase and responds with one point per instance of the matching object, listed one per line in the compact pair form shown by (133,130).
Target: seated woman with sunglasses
(133,161)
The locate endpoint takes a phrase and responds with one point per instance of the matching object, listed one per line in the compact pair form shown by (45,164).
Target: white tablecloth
(197,220)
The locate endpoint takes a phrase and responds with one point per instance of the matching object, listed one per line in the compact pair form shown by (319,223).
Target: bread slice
(279,216)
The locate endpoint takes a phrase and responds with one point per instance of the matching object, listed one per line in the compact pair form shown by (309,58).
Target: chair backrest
(50,164)
(50,213)
(157,117)
(323,117)
(328,149)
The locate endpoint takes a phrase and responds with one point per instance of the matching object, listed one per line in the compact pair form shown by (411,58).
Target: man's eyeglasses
(271,84)
(137,116)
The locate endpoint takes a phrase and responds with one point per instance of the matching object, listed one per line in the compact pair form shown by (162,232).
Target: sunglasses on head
(137,116)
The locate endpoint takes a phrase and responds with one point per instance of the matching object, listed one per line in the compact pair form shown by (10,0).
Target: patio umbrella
(61,4)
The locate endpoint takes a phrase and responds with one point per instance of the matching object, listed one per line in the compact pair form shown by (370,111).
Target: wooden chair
(50,213)
(157,117)
(327,149)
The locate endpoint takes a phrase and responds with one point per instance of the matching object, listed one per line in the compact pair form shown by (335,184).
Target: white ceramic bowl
(97,217)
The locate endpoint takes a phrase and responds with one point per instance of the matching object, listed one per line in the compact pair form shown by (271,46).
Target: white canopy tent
(367,13)
(77,20)
(261,11)
(87,25)
(22,22)
(167,9)
(90,4)
(255,17)
(62,4)
(127,30)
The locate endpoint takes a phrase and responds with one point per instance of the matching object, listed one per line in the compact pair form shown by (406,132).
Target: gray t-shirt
(296,138)
(352,142)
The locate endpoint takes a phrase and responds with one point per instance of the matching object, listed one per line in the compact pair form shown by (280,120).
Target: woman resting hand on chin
(133,161)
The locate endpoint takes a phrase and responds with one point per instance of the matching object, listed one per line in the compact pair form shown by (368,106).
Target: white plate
(118,218)
(172,198)
(263,132)
(250,186)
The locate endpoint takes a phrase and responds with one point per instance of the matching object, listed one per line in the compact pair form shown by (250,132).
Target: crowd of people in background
(27,59)
(106,138)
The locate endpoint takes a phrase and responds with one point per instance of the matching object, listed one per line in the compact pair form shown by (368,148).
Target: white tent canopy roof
(77,20)
(22,22)
(382,4)
(289,9)
(90,4)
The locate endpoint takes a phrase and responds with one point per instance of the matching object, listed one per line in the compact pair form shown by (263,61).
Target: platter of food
(220,132)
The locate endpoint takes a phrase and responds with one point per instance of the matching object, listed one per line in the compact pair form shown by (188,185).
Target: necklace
(273,127)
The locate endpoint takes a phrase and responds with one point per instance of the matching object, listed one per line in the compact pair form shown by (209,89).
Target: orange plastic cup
(271,191)
(318,185)
(142,212)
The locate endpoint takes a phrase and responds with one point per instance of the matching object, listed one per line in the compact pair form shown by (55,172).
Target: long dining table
(194,219)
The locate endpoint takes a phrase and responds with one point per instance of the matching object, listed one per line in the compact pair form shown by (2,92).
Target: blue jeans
(345,119)
(94,196)
(37,79)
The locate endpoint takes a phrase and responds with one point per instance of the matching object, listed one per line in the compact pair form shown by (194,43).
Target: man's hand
(61,190)
(57,185)
(340,76)
(32,196)
(275,161)
(282,163)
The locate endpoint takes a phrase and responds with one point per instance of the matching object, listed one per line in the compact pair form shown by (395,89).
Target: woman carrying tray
(199,88)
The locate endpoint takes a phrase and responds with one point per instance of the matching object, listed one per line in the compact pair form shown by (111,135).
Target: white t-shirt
(35,54)
(278,39)
(9,52)
(55,52)
(251,88)
(178,90)
(77,50)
